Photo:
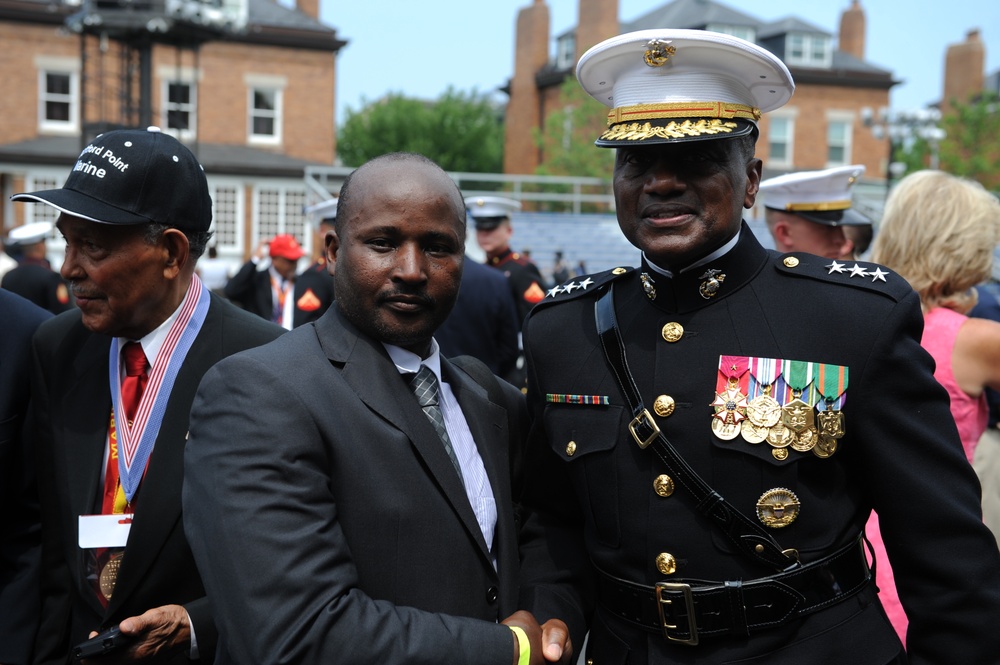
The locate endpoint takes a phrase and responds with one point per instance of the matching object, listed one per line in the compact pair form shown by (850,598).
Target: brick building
(820,127)
(248,85)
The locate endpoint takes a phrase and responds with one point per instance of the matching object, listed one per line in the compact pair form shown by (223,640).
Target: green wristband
(524,647)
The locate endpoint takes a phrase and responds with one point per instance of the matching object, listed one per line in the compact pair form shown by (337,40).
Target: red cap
(286,246)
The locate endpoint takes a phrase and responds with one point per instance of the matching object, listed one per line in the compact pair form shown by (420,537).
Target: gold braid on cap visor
(620,129)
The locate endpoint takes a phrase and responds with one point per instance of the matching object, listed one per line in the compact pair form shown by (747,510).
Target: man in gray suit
(335,515)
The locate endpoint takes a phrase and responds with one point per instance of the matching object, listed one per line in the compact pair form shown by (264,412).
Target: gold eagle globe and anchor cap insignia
(658,51)
(778,507)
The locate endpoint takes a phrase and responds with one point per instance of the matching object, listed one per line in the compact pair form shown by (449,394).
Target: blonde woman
(938,232)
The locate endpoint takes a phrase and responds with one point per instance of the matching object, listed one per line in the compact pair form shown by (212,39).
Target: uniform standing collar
(706,281)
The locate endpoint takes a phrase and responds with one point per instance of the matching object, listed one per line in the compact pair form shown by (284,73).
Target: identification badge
(104,530)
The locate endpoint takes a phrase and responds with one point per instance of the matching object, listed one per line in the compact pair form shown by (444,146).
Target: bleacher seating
(594,239)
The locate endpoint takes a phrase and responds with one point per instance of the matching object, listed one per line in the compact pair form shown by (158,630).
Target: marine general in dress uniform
(711,429)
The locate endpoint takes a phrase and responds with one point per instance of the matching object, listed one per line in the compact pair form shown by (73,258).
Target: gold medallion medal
(780,436)
(727,430)
(109,575)
(831,423)
(805,440)
(825,447)
(763,410)
(753,433)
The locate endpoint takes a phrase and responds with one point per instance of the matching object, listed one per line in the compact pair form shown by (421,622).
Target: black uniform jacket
(600,500)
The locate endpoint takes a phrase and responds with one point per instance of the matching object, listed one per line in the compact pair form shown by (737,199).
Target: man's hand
(159,634)
(549,643)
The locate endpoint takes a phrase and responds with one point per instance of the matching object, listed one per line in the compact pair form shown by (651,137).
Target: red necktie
(135,378)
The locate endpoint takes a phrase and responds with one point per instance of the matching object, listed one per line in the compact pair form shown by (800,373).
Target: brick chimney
(963,70)
(852,30)
(524,109)
(598,20)
(308,7)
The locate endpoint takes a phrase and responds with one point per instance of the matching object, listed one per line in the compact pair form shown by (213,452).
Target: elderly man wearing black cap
(711,430)
(113,384)
(810,211)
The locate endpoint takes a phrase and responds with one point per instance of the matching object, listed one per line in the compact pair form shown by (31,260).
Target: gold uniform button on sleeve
(673,331)
(571,448)
(666,563)
(663,485)
(663,406)
(790,262)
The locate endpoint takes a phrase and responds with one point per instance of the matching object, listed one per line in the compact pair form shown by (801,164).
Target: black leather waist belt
(686,610)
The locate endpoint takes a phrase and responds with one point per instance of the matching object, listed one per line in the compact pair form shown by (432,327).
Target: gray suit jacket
(326,519)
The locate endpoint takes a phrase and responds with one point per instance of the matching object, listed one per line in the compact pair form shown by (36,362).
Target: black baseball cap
(134,176)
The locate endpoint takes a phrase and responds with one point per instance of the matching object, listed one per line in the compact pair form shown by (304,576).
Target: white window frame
(845,118)
(276,86)
(787,116)
(566,51)
(811,42)
(290,214)
(70,67)
(191,108)
(169,75)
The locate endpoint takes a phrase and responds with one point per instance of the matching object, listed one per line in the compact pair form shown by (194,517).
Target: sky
(419,49)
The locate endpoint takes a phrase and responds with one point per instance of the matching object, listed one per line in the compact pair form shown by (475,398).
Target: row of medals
(793,425)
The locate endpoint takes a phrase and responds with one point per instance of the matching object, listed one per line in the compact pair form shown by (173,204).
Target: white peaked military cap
(819,196)
(665,86)
(323,211)
(489,211)
(29,234)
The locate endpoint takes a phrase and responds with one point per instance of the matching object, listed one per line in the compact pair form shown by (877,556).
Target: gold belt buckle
(638,420)
(688,605)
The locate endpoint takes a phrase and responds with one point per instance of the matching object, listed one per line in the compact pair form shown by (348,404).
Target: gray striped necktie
(425,386)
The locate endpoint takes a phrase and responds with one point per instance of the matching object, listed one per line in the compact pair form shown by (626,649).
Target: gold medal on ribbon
(109,576)
(825,447)
(730,402)
(753,433)
(780,436)
(831,382)
(804,440)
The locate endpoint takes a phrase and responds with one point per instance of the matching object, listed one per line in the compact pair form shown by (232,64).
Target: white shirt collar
(408,362)
(722,251)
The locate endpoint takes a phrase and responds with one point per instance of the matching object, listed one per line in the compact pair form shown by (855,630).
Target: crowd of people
(453,462)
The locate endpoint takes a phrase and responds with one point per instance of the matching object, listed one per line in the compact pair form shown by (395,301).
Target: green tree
(971,146)
(567,138)
(460,131)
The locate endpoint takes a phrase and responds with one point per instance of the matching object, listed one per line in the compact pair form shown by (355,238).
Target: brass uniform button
(666,563)
(672,332)
(618,271)
(663,406)
(571,448)
(663,485)
(790,262)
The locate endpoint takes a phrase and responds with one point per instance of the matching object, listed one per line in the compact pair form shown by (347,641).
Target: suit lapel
(87,405)
(158,501)
(367,368)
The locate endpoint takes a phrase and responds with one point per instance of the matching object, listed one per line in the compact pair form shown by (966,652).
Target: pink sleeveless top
(940,330)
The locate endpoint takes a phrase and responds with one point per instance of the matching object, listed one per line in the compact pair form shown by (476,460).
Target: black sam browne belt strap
(745,535)
(687,610)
